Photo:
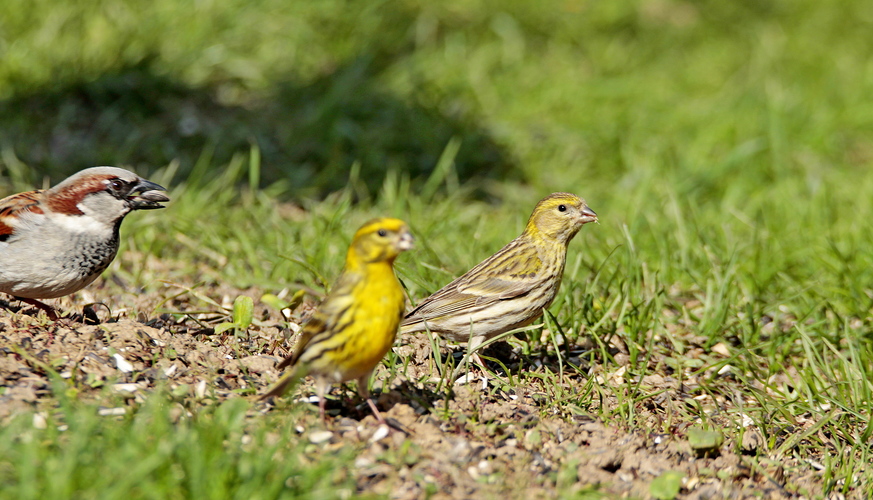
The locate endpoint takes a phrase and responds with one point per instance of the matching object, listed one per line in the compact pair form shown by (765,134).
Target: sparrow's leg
(49,310)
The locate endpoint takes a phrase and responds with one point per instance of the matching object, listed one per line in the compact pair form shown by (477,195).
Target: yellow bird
(355,325)
(511,288)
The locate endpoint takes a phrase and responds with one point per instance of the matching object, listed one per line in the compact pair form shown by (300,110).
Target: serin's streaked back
(511,288)
(355,325)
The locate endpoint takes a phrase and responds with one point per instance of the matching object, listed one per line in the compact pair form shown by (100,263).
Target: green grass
(725,146)
(165,450)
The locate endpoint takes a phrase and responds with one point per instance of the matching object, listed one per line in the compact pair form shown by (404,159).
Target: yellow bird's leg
(365,393)
(321,386)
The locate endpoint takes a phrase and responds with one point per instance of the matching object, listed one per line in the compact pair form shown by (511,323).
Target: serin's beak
(406,241)
(588,215)
(150,195)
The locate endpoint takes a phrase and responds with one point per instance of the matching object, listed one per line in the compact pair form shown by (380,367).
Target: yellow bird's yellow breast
(375,323)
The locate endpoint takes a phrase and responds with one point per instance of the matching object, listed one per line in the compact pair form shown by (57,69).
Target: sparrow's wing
(13,206)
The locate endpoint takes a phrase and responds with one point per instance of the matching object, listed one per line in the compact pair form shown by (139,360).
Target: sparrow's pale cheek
(82,224)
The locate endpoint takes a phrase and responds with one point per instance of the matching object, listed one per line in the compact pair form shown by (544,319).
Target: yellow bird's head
(380,240)
(559,216)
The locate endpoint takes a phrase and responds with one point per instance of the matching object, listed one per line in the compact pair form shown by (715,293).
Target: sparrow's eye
(562,208)
(117,185)
(383,233)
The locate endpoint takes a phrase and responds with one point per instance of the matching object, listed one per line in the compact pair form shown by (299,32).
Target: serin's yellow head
(559,216)
(380,240)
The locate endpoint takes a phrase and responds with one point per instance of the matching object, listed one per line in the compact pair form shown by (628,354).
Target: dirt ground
(483,440)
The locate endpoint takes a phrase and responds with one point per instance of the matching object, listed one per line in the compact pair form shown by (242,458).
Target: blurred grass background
(554,94)
(746,124)
(726,147)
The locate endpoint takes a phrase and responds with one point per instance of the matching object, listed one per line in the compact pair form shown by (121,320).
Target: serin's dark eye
(383,233)
(562,208)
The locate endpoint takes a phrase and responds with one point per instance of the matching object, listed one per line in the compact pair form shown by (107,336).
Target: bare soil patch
(481,440)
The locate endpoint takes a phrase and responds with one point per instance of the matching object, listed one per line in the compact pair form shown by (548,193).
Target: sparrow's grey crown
(107,172)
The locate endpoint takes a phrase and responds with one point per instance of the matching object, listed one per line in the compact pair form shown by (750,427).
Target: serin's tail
(282,386)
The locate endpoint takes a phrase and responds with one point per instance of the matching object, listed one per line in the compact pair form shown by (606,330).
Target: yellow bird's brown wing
(323,322)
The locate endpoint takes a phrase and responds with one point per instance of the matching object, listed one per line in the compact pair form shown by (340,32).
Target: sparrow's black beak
(150,195)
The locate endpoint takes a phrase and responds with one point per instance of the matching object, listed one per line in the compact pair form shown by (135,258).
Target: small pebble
(380,433)
(122,364)
(111,412)
(319,437)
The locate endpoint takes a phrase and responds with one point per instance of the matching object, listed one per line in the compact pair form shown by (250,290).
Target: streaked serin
(511,288)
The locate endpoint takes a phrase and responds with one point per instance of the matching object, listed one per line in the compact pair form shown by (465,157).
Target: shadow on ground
(309,134)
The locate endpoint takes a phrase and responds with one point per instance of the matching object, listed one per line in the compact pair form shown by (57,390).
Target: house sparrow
(57,241)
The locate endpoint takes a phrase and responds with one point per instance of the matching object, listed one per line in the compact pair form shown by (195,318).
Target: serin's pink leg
(321,386)
(321,402)
(376,412)
(365,393)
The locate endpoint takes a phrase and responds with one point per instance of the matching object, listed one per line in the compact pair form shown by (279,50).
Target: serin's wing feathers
(505,275)
(447,304)
(500,288)
(325,317)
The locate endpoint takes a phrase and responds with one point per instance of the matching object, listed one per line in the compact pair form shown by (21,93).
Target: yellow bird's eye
(383,233)
(562,208)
